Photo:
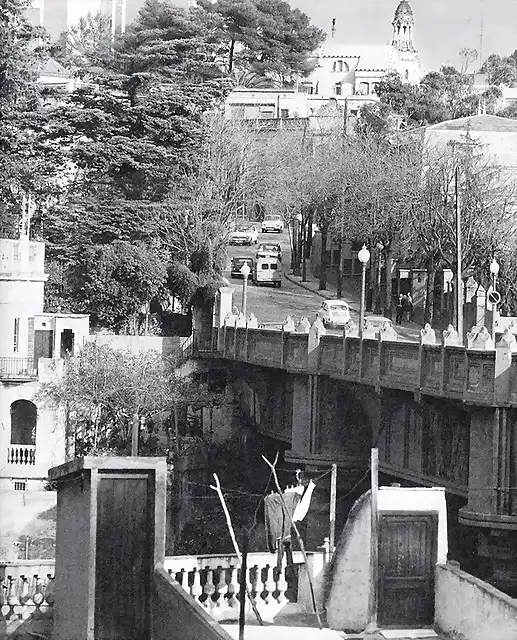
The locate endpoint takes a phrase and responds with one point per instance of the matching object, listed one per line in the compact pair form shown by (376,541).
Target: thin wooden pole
(244,575)
(298,536)
(333,491)
(374,541)
(459,280)
(217,488)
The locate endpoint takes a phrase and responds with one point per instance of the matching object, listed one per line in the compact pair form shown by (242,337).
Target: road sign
(494,297)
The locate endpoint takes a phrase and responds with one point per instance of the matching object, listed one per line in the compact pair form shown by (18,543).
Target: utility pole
(459,281)
(374,541)
(333,492)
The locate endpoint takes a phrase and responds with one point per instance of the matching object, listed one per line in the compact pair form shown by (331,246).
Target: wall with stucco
(50,436)
(349,576)
(471,609)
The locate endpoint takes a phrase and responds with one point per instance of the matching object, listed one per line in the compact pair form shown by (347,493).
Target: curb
(306,287)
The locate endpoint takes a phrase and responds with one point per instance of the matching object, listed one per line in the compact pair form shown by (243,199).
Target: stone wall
(471,609)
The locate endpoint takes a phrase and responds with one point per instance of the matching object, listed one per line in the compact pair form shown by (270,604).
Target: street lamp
(494,298)
(245,272)
(363,256)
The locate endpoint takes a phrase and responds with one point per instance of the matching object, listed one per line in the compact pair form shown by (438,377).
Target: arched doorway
(24,416)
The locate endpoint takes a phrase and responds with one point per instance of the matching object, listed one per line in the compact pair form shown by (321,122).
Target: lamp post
(494,270)
(245,272)
(363,256)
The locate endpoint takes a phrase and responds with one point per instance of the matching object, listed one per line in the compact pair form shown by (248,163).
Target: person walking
(407,306)
(400,309)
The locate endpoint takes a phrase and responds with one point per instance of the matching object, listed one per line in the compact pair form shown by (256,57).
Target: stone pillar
(110,537)
(223,305)
(503,367)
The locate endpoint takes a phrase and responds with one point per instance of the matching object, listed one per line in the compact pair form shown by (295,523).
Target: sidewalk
(407,330)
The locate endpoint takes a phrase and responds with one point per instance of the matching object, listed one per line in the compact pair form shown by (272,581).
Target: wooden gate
(407,559)
(124,556)
(43,344)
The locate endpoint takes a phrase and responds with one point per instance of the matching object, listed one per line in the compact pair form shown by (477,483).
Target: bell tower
(403,23)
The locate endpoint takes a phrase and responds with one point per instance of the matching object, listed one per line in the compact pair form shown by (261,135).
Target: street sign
(494,297)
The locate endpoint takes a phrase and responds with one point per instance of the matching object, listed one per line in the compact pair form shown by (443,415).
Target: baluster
(209,589)
(282,586)
(233,588)
(25,599)
(222,588)
(12,599)
(185,580)
(196,590)
(49,593)
(37,595)
(269,585)
(258,585)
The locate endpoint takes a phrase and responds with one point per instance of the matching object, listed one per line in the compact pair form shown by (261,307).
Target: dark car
(237,262)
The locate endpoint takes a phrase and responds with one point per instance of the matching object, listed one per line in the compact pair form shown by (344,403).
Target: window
(337,89)
(16,338)
(284,113)
(264,266)
(274,267)
(24,415)
(364,88)
(19,485)
(406,75)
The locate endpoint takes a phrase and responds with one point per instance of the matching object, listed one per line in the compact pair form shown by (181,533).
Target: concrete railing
(471,609)
(480,376)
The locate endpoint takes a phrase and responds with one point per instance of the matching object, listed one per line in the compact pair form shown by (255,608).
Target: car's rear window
(338,307)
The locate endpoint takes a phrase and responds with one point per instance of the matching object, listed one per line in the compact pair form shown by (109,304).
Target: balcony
(18,369)
(24,454)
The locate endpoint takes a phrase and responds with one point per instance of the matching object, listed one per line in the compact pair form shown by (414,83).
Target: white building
(32,438)
(344,74)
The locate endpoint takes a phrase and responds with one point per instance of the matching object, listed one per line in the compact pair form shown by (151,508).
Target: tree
(101,390)
(112,282)
(86,45)
(467,56)
(27,166)
(266,37)
(500,70)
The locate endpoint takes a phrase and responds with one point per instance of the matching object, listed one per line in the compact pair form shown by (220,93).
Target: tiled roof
(53,68)
(478,123)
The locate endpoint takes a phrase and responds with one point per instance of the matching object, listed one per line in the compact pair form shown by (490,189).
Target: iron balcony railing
(18,368)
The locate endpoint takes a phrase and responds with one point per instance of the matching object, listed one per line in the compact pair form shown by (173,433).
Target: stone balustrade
(27,586)
(24,454)
(26,598)
(480,373)
(214,582)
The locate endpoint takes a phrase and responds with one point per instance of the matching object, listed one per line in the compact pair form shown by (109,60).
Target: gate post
(110,537)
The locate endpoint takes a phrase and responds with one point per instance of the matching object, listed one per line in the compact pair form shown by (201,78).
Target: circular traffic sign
(494,297)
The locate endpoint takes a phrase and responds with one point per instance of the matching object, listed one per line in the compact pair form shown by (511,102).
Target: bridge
(440,414)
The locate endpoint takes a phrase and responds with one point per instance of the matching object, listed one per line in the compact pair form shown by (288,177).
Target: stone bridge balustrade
(447,370)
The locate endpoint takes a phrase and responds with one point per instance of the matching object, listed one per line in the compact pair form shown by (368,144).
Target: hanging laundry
(277,521)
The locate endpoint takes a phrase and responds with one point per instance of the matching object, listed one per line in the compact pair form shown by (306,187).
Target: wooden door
(43,344)
(123,571)
(407,559)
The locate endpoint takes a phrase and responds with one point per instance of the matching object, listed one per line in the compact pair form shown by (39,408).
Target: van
(268,270)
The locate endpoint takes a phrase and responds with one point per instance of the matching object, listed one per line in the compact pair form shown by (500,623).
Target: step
(277,632)
(408,634)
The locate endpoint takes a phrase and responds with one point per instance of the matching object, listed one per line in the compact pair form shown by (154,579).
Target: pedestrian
(400,309)
(407,306)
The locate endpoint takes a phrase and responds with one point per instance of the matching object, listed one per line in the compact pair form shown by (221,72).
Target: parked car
(334,313)
(275,224)
(244,234)
(269,249)
(268,270)
(237,263)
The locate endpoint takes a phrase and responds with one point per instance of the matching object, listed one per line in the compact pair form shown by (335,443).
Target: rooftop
(478,123)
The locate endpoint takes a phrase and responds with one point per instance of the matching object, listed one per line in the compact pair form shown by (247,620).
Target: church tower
(403,23)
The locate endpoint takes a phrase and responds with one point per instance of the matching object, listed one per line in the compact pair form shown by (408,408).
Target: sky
(442,27)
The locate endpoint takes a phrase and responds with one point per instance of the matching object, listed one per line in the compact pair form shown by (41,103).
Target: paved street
(294,298)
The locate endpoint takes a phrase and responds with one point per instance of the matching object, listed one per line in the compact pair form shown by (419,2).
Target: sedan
(245,234)
(334,313)
(275,224)
(269,250)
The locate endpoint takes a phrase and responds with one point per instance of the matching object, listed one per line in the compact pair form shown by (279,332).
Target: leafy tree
(500,70)
(86,45)
(266,37)
(102,388)
(112,282)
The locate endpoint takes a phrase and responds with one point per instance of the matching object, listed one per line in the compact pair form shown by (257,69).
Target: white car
(273,224)
(334,313)
(244,234)
(269,249)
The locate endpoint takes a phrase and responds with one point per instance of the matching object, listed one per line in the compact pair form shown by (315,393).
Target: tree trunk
(304,253)
(389,284)
(230,57)
(324,259)
(429,296)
